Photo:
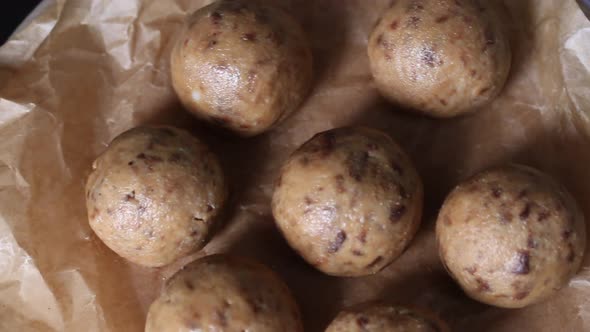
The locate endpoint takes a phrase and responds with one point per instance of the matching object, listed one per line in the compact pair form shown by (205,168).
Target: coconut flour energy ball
(385,318)
(349,201)
(153,195)
(224,293)
(242,64)
(440,57)
(511,236)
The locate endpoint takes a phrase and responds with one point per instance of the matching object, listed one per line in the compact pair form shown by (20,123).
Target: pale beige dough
(224,293)
(242,64)
(440,57)
(386,318)
(349,201)
(511,236)
(154,194)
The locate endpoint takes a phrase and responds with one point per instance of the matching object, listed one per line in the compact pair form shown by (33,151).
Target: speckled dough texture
(349,201)
(385,318)
(440,57)
(224,293)
(511,236)
(242,64)
(154,194)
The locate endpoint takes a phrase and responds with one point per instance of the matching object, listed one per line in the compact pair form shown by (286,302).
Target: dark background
(12,13)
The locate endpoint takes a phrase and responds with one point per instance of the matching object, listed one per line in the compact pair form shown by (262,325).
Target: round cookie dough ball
(242,64)
(383,317)
(439,57)
(224,293)
(153,195)
(511,236)
(349,201)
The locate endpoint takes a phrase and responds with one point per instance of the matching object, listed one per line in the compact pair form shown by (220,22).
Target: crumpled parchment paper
(82,71)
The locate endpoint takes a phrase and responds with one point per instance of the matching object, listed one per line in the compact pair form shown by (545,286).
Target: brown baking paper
(82,71)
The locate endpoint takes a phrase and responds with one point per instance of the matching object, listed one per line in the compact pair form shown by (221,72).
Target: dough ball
(242,64)
(153,195)
(439,57)
(224,293)
(511,236)
(349,201)
(389,318)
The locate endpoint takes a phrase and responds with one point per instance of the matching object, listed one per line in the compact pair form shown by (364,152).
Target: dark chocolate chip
(379,39)
(566,234)
(337,243)
(216,17)
(362,321)
(496,192)
(340,183)
(442,19)
(505,217)
(363,236)
(394,25)
(521,265)
(189,284)
(130,196)
(430,57)
(308,200)
(357,164)
(526,211)
(250,37)
(396,212)
(397,168)
(543,215)
(521,295)
(211,43)
(447,220)
(443,102)
(413,22)
(482,285)
(357,253)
